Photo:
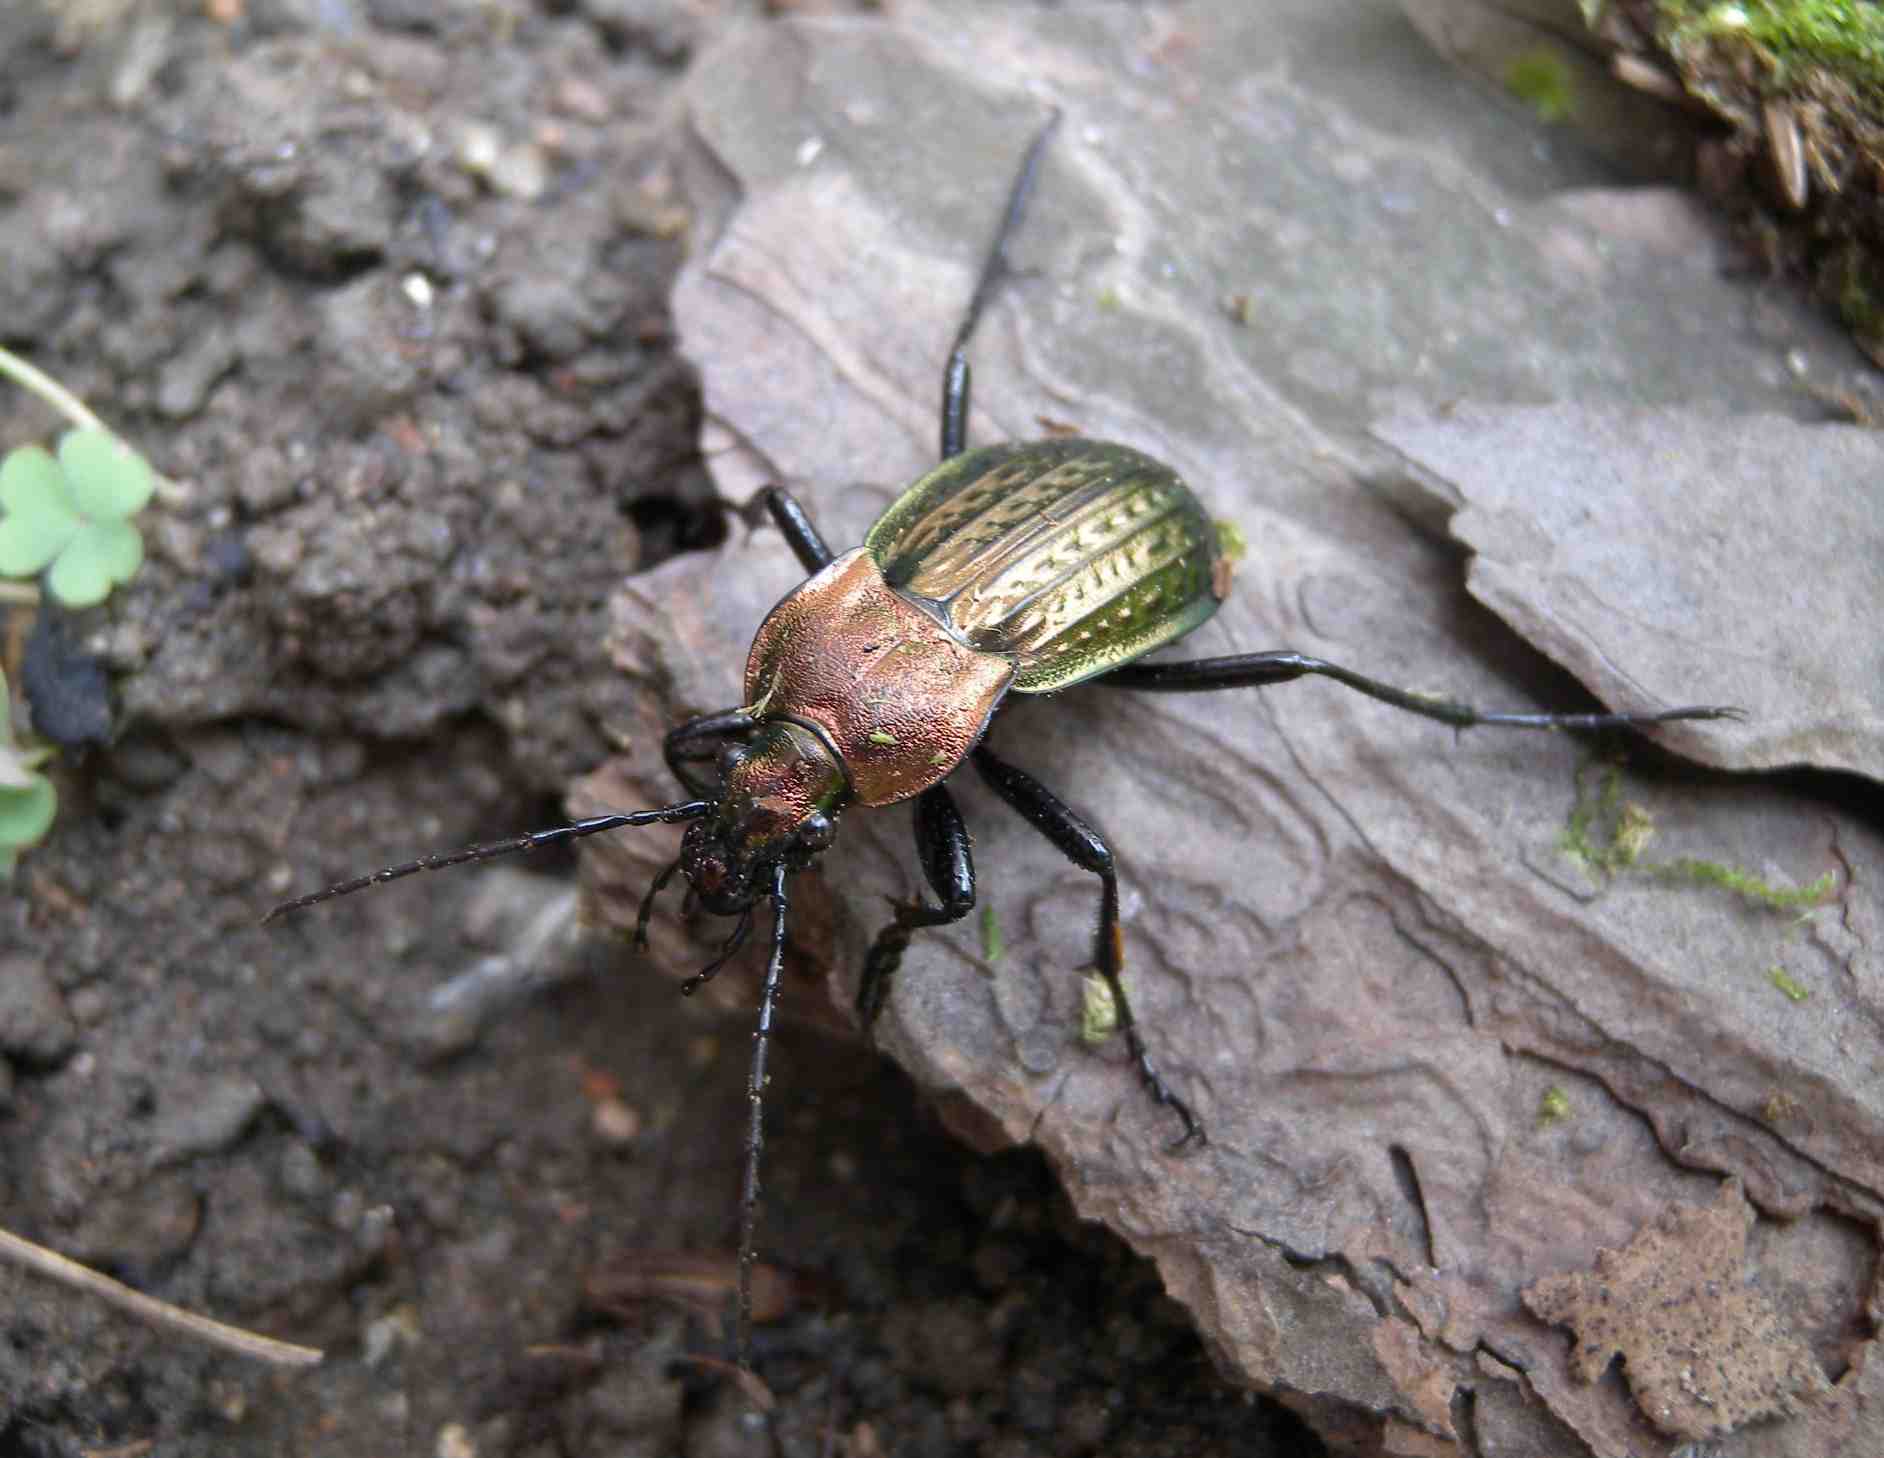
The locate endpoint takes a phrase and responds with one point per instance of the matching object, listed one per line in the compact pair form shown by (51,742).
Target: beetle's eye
(732,755)
(815,833)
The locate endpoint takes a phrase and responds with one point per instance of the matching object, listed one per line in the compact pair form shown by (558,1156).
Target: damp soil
(381,290)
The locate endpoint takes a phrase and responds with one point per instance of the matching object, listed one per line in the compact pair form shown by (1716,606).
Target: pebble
(205,1118)
(36,1028)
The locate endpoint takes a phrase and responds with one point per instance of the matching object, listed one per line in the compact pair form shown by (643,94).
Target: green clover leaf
(27,798)
(70,514)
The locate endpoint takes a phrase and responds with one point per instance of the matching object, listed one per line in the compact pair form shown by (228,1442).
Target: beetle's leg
(646,912)
(942,845)
(699,740)
(793,521)
(1254,670)
(1086,848)
(955,382)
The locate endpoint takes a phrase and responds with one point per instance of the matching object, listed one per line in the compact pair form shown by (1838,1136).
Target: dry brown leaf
(1706,1352)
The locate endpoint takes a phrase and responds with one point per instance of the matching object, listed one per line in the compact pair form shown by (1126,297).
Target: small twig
(160,1313)
(746,1380)
(136,1448)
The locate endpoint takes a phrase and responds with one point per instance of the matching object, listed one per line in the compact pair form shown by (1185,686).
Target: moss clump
(1606,835)
(1099,1011)
(1541,80)
(1790,35)
(992,945)
(1748,886)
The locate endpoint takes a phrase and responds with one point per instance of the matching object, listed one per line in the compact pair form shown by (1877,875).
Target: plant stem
(49,390)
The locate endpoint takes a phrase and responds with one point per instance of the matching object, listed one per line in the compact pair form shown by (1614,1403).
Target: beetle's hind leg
(994,268)
(1087,849)
(942,846)
(1255,670)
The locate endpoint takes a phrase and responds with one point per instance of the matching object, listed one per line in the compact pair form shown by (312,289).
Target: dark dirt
(381,288)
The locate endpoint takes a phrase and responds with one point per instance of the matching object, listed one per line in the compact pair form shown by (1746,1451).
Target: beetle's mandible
(1018,568)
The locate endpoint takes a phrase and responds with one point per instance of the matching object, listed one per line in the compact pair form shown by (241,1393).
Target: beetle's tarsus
(646,912)
(1162,1095)
(728,950)
(886,955)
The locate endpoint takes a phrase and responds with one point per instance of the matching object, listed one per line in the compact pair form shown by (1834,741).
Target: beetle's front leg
(687,745)
(1086,848)
(793,522)
(942,846)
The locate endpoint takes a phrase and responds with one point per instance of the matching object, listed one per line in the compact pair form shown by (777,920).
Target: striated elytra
(1017,568)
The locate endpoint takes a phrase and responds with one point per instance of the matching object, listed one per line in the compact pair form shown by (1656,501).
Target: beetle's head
(780,793)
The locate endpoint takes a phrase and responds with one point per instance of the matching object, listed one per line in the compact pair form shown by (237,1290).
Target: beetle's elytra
(1019,568)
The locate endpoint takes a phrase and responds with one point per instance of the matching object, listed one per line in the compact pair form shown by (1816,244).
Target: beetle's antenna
(755,1134)
(533,840)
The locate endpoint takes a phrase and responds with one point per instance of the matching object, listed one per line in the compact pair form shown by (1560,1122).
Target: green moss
(1603,833)
(1553,1106)
(1541,80)
(1783,980)
(1606,834)
(1099,1011)
(1747,885)
(1845,35)
(992,947)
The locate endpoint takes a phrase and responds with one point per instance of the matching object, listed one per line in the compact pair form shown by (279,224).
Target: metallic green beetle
(1022,568)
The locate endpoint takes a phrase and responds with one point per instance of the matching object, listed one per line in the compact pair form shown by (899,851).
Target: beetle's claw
(1193,1138)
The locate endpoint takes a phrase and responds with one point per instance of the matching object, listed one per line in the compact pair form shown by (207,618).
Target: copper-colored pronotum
(1009,569)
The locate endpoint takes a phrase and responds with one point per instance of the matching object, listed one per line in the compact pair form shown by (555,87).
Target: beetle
(1025,567)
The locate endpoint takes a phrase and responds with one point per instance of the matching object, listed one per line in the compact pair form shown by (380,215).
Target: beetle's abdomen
(1068,557)
(900,698)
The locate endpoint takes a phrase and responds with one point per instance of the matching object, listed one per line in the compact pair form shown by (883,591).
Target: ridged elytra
(1016,568)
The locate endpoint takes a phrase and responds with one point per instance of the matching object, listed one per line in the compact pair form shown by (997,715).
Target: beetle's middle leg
(942,846)
(1254,670)
(1087,849)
